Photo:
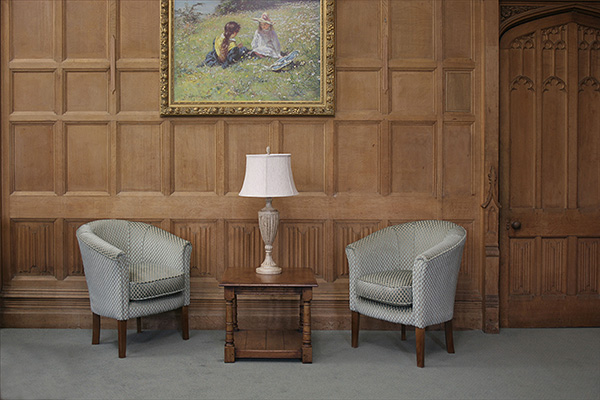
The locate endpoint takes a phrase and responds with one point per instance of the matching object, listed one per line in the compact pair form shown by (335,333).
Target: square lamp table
(268,343)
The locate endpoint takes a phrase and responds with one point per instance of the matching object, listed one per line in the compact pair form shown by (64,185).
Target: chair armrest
(107,276)
(435,275)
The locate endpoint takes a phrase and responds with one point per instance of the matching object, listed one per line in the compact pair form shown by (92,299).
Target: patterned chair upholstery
(133,270)
(407,274)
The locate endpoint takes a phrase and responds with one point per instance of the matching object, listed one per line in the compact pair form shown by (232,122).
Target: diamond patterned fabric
(431,249)
(134,269)
(392,287)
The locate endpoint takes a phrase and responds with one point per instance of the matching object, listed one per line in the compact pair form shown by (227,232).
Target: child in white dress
(265,42)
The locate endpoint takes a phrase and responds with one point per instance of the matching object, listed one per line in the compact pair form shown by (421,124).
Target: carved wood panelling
(302,245)
(83,140)
(87,158)
(589,104)
(554,266)
(346,232)
(139,158)
(588,266)
(358,170)
(72,254)
(458,159)
(306,141)
(522,143)
(32,158)
(244,246)
(413,159)
(33,248)
(203,237)
(412,29)
(522,259)
(193,157)
(358,16)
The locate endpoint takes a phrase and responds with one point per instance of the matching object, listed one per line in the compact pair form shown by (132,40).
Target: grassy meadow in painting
(297,24)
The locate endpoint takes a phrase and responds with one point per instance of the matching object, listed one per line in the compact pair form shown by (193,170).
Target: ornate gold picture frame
(257,57)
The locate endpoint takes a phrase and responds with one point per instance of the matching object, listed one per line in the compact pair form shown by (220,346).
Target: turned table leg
(229,327)
(306,341)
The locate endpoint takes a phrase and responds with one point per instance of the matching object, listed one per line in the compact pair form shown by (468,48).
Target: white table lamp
(268,175)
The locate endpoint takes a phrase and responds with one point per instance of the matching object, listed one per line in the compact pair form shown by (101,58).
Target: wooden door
(550,172)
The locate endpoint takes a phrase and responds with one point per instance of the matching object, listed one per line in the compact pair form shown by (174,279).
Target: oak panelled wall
(82,139)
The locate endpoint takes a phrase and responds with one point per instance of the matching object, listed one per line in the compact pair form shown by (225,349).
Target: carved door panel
(550,172)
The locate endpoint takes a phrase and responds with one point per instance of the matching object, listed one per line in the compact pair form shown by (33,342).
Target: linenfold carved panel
(302,245)
(588,266)
(203,237)
(33,247)
(522,259)
(244,245)
(347,232)
(554,266)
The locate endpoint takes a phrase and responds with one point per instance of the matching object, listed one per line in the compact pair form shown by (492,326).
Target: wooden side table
(268,343)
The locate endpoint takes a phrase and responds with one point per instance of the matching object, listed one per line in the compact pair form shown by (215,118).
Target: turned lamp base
(268,221)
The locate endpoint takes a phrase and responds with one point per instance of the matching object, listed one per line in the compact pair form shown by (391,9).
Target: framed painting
(247,57)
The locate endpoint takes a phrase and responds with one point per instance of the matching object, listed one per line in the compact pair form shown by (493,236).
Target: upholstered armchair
(407,274)
(134,270)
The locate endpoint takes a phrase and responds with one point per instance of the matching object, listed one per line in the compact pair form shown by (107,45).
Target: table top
(289,277)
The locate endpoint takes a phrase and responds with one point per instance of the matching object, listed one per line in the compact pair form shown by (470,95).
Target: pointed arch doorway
(550,170)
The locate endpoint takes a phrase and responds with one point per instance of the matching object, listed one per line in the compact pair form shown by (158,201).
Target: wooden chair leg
(403,335)
(95,328)
(355,328)
(185,325)
(449,338)
(138,322)
(420,338)
(122,332)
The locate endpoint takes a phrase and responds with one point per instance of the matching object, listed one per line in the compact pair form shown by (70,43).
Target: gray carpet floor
(515,364)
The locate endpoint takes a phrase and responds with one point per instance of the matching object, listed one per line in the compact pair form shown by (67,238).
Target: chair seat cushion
(149,281)
(392,287)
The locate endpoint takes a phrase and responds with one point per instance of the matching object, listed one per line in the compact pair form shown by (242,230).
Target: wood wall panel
(458,159)
(358,91)
(39,82)
(86,91)
(358,16)
(358,170)
(242,139)
(458,91)
(588,140)
(412,30)
(203,237)
(139,158)
(193,157)
(138,30)
(82,87)
(458,35)
(32,158)
(33,248)
(87,158)
(413,93)
(302,245)
(306,141)
(413,159)
(81,40)
(588,266)
(32,29)
(346,232)
(139,90)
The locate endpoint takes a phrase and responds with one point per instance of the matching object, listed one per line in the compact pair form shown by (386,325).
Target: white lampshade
(268,175)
